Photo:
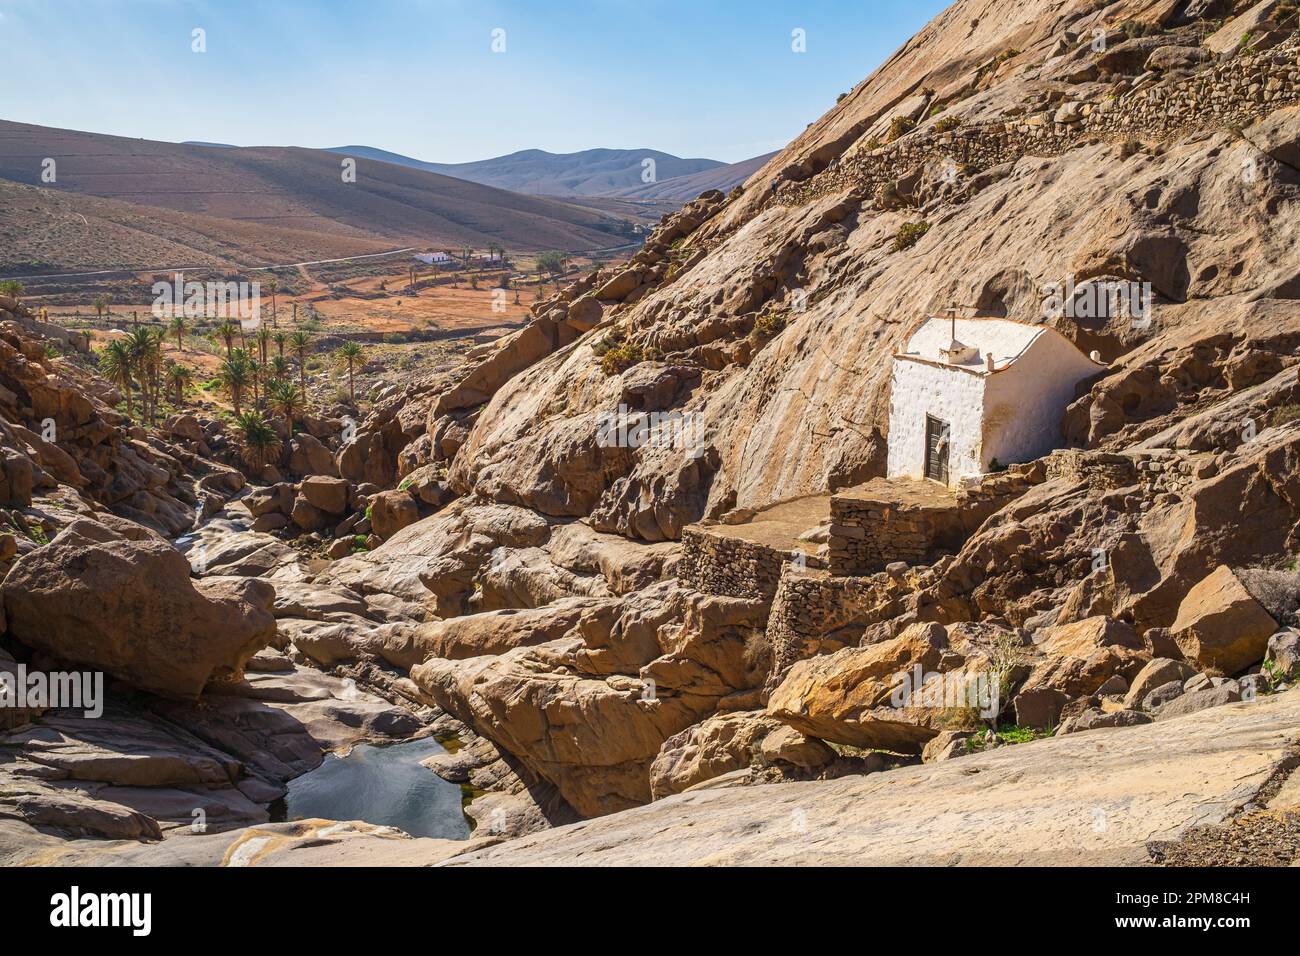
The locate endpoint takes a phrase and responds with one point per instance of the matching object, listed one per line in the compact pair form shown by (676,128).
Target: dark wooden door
(936,449)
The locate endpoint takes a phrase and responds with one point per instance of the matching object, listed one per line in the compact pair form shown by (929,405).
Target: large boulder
(1082,639)
(308,456)
(326,494)
(721,744)
(95,599)
(1220,626)
(391,511)
(1155,674)
(847,697)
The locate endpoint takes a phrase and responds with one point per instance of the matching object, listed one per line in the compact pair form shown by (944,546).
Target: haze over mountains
(590,172)
(237,204)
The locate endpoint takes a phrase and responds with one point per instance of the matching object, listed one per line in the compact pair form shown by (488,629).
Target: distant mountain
(295,192)
(685,188)
(591,172)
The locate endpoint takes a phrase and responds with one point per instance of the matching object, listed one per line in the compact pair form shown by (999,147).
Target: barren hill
(685,188)
(591,172)
(291,189)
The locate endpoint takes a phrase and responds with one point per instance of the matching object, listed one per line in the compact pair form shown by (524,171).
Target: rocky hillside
(608,624)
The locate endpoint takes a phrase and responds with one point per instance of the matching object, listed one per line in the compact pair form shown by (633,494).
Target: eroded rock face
(95,599)
(591,713)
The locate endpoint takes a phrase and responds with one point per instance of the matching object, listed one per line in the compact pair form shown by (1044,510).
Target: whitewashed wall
(950,394)
(1025,403)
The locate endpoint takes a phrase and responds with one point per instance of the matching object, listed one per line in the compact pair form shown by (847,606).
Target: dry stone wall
(1226,94)
(874,525)
(717,563)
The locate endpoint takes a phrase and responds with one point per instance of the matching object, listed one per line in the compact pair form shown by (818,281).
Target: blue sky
(712,78)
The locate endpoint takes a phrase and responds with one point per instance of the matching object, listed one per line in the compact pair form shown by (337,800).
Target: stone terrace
(870,526)
(915,521)
(745,559)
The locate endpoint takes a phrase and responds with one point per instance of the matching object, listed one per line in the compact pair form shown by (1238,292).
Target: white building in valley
(967,393)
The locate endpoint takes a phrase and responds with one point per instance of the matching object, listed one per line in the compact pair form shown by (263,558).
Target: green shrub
(909,234)
(621,357)
(1285,413)
(947,123)
(769,325)
(900,126)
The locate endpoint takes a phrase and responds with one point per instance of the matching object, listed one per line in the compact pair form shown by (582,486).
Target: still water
(382,785)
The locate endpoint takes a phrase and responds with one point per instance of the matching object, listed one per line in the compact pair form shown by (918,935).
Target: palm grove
(264,377)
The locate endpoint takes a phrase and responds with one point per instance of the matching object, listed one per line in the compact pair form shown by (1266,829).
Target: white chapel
(967,393)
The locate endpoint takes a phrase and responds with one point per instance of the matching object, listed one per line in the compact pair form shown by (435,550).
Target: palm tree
(177,327)
(349,353)
(279,338)
(115,365)
(285,400)
(179,378)
(261,444)
(263,341)
(280,368)
(12,288)
(100,303)
(143,345)
(274,285)
(300,344)
(227,331)
(256,370)
(235,375)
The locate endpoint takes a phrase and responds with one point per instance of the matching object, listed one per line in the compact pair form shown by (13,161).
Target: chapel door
(936,449)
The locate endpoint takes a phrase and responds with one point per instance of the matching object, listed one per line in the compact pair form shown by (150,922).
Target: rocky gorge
(676,651)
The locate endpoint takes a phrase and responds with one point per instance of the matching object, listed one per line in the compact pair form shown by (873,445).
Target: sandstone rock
(307,516)
(1145,782)
(845,697)
(721,744)
(784,744)
(1156,673)
(1174,57)
(329,495)
(495,632)
(571,710)
(1094,718)
(1228,37)
(307,456)
(1191,702)
(95,599)
(269,522)
(1079,677)
(945,746)
(1220,626)
(1283,652)
(1113,685)
(584,313)
(1039,707)
(1162,695)
(1082,638)
(391,511)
